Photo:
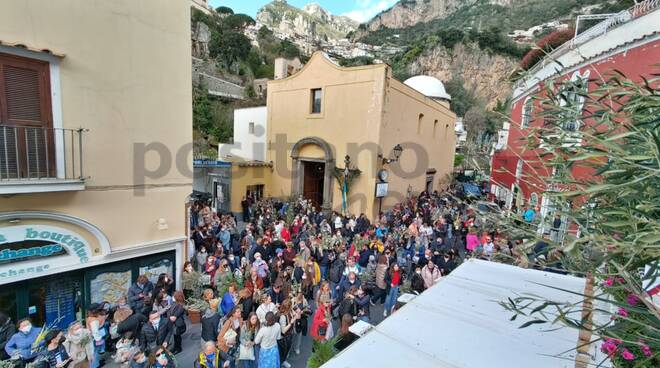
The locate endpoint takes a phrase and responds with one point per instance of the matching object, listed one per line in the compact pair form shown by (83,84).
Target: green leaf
(652,238)
(532,322)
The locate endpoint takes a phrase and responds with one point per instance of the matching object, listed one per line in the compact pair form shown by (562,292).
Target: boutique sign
(29,250)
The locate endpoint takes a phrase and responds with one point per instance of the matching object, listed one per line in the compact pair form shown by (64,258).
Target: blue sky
(360,10)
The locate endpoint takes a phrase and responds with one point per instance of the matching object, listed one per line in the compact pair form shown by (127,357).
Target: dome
(428,86)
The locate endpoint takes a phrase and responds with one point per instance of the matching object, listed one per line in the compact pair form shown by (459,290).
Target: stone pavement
(191,344)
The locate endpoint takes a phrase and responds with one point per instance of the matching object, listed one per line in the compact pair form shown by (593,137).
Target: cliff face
(407,13)
(312,21)
(483,74)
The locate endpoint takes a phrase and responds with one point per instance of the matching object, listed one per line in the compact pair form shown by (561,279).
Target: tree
(288,49)
(450,37)
(461,99)
(616,210)
(237,22)
(229,46)
(224,10)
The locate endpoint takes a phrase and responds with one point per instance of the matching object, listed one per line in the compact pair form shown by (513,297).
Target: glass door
(55,302)
(8,304)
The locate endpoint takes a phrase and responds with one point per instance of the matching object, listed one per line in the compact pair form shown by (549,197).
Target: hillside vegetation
(233,56)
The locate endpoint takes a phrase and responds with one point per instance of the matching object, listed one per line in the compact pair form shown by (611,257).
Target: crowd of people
(290,273)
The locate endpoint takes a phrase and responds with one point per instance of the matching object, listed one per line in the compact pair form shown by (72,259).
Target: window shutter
(26,140)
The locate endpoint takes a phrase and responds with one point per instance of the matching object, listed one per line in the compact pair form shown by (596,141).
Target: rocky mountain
(407,13)
(312,21)
(484,74)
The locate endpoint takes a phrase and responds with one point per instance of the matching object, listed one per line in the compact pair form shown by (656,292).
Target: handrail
(29,153)
(600,28)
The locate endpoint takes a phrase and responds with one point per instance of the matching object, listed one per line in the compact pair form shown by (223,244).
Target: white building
(461,133)
(249,136)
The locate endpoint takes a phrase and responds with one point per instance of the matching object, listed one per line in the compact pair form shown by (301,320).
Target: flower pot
(195,316)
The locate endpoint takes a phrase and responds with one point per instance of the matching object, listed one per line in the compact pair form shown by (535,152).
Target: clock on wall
(383,175)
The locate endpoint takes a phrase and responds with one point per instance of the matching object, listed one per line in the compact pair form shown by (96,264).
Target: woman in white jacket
(431,274)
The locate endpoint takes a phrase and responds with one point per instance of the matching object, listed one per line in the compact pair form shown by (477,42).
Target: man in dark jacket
(210,322)
(346,284)
(132,324)
(348,305)
(143,288)
(157,332)
(337,267)
(7,329)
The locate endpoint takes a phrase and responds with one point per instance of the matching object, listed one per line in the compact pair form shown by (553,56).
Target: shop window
(316,97)
(110,286)
(153,270)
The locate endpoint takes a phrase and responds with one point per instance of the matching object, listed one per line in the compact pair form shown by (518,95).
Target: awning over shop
(459,323)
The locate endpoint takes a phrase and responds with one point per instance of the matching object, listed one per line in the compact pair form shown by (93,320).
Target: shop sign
(27,250)
(381,190)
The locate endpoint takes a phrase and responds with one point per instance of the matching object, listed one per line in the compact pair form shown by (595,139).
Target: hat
(279,251)
(94,306)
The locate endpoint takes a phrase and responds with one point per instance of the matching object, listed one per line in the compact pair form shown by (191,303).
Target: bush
(357,61)
(544,46)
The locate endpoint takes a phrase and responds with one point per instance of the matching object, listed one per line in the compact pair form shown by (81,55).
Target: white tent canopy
(459,323)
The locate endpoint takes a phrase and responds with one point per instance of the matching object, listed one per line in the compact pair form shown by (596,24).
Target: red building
(628,41)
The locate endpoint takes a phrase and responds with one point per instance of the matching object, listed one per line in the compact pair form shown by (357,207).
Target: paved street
(192,336)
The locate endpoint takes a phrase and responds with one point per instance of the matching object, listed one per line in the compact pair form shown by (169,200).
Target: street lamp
(396,151)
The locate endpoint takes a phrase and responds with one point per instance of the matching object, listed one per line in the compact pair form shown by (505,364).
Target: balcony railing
(640,9)
(38,155)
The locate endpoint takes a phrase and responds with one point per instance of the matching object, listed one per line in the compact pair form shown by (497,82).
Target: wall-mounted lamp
(396,152)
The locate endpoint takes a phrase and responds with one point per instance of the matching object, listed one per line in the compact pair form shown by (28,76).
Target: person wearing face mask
(7,329)
(55,354)
(260,265)
(161,359)
(416,281)
(79,344)
(19,345)
(139,360)
(447,262)
(142,289)
(211,357)
(157,332)
(201,256)
(224,237)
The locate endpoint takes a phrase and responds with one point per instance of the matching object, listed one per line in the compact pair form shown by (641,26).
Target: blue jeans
(333,288)
(324,272)
(390,301)
(247,363)
(97,357)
